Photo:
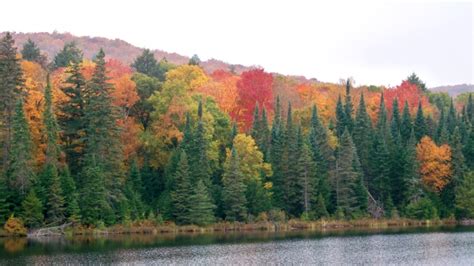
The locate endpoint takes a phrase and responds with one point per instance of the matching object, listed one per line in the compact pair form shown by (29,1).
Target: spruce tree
(133,187)
(72,118)
(181,192)
(362,135)
(291,153)
(307,179)
(21,174)
(451,119)
(55,212)
(201,211)
(406,124)
(11,82)
(465,197)
(103,156)
(71,200)
(420,124)
(395,123)
(348,108)
(30,51)
(340,118)
(234,189)
(32,210)
(320,210)
(68,55)
(276,157)
(146,63)
(4,203)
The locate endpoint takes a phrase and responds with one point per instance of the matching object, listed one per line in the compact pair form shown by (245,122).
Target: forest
(100,142)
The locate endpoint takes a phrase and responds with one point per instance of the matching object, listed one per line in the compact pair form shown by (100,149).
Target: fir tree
(4,203)
(201,211)
(20,173)
(182,191)
(362,135)
(320,210)
(11,81)
(54,201)
(420,124)
(31,210)
(395,123)
(406,124)
(465,197)
(276,157)
(31,52)
(348,108)
(234,189)
(340,118)
(72,118)
(68,55)
(307,179)
(71,200)
(451,119)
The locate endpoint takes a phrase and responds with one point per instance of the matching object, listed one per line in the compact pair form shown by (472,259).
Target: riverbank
(153,228)
(149,227)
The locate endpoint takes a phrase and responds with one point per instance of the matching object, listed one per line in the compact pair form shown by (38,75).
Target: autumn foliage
(435,163)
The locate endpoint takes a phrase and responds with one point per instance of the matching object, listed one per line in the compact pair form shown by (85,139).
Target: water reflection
(453,245)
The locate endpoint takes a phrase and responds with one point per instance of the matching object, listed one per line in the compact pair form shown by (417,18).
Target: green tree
(194,60)
(307,179)
(182,191)
(202,209)
(32,210)
(32,53)
(348,107)
(406,124)
(414,79)
(234,189)
(72,210)
(72,118)
(20,173)
(4,203)
(465,196)
(11,82)
(146,86)
(362,135)
(420,126)
(69,54)
(340,118)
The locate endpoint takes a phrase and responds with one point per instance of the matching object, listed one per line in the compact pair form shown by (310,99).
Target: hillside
(52,43)
(454,90)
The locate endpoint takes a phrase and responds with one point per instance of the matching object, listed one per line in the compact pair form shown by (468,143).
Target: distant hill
(454,90)
(52,43)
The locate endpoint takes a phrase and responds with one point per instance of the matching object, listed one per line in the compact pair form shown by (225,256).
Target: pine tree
(420,124)
(201,211)
(362,135)
(30,51)
(412,181)
(95,209)
(55,212)
(320,210)
(323,154)
(31,210)
(451,119)
(395,123)
(348,175)
(382,120)
(340,118)
(379,184)
(197,154)
(469,149)
(133,187)
(406,124)
(182,191)
(72,118)
(307,179)
(348,108)
(470,109)
(103,163)
(291,153)
(70,54)
(146,63)
(20,173)
(276,157)
(11,81)
(68,186)
(465,196)
(234,189)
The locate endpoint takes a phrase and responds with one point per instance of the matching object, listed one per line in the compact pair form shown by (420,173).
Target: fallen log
(49,231)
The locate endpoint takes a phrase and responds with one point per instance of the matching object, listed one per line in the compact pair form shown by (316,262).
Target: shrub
(14,226)
(422,209)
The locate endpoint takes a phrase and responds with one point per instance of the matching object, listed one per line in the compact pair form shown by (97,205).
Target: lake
(422,246)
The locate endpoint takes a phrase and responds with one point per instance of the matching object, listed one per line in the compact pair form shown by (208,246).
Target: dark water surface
(423,246)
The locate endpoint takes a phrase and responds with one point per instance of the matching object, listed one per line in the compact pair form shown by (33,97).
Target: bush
(262,217)
(14,226)
(422,209)
(277,216)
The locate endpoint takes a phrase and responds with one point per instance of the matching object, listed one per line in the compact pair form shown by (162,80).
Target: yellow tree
(435,163)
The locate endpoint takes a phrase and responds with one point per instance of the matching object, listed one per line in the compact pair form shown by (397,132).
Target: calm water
(434,246)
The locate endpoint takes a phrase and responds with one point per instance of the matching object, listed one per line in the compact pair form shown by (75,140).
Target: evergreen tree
(146,63)
(31,210)
(55,212)
(469,149)
(379,183)
(133,187)
(95,209)
(182,191)
(71,200)
(320,210)
(395,123)
(201,211)
(470,109)
(451,119)
(465,196)
(72,118)
(323,154)
(11,82)
(276,157)
(340,118)
(32,53)
(234,189)
(197,154)
(406,124)
(382,120)
(420,124)
(103,162)
(348,108)
(291,153)
(414,79)
(194,60)
(362,135)
(348,176)
(4,203)
(20,173)
(70,54)
(412,181)
(307,179)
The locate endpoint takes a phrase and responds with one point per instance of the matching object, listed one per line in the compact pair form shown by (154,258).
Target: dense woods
(100,143)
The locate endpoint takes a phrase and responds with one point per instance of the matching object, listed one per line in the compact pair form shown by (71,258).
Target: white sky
(376,43)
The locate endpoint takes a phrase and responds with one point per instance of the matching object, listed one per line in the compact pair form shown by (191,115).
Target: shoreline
(147,227)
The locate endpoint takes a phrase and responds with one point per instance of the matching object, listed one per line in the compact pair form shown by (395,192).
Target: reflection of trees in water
(13,245)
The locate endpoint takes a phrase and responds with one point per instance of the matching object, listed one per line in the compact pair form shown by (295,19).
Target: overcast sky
(375,43)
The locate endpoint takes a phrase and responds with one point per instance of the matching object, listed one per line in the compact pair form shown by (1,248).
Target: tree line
(213,169)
